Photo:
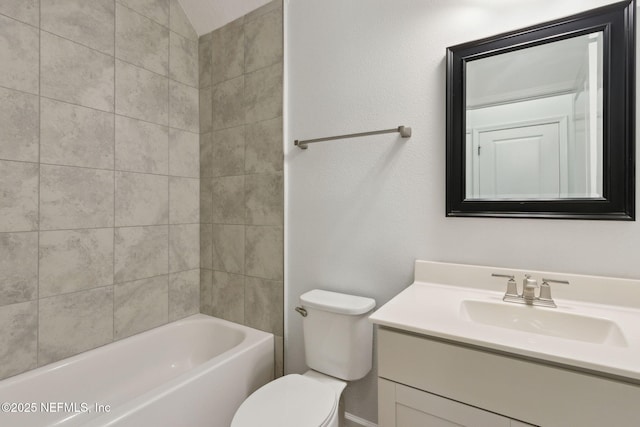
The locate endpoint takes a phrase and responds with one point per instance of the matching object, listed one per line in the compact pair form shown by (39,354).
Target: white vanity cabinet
(425,382)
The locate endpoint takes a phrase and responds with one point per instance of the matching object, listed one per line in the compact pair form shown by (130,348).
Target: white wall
(359,212)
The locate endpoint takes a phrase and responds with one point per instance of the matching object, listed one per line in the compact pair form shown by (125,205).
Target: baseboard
(352,419)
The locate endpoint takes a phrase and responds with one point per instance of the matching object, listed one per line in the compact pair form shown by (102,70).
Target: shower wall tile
(264,252)
(183,64)
(19,201)
(18,338)
(179,22)
(184,247)
(279,353)
(18,55)
(206,201)
(262,10)
(227,296)
(75,136)
(263,41)
(18,267)
(264,151)
(228,104)
(206,109)
(141,41)
(205,57)
(184,200)
(264,199)
(76,260)
(158,10)
(87,22)
(206,246)
(264,304)
(75,73)
(184,153)
(228,200)
(72,198)
(228,248)
(206,155)
(141,94)
(87,314)
(227,46)
(141,252)
(206,277)
(140,305)
(19,126)
(141,146)
(228,151)
(141,199)
(263,94)
(183,101)
(184,294)
(23,10)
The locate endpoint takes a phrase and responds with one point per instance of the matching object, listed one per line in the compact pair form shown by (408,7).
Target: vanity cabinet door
(402,406)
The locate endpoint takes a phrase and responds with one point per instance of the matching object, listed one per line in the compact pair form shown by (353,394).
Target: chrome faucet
(528,295)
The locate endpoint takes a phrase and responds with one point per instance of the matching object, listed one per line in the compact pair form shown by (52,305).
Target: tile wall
(241,163)
(99,175)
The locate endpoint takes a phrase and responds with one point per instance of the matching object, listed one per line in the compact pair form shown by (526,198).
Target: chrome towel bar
(404,131)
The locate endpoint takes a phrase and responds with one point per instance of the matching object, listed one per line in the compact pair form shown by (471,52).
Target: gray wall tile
(19,126)
(228,200)
(228,151)
(206,291)
(72,198)
(264,304)
(263,41)
(140,305)
(279,368)
(228,106)
(227,46)
(206,109)
(141,199)
(141,41)
(264,252)
(183,101)
(141,146)
(19,201)
(264,151)
(19,55)
(18,267)
(206,246)
(89,314)
(87,22)
(141,252)
(275,4)
(184,247)
(23,10)
(204,60)
(158,10)
(184,153)
(18,338)
(183,63)
(184,294)
(76,260)
(206,201)
(227,248)
(179,22)
(184,200)
(75,73)
(205,155)
(141,94)
(227,296)
(263,94)
(264,199)
(75,136)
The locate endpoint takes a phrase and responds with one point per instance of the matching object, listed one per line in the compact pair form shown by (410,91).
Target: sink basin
(544,321)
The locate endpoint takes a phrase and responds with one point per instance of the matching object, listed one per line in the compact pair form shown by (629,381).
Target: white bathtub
(190,373)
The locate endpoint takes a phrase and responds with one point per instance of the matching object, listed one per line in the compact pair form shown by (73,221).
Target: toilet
(338,348)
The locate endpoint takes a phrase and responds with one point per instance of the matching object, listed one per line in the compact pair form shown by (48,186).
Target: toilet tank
(338,337)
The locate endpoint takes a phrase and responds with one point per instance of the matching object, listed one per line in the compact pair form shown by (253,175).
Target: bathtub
(190,373)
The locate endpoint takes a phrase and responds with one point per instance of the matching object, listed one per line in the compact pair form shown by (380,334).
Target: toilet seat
(290,401)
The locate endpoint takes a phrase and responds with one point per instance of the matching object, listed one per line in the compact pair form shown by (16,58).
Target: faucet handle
(545,289)
(512,287)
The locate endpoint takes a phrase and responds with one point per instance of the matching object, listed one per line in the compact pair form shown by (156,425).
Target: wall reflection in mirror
(534,122)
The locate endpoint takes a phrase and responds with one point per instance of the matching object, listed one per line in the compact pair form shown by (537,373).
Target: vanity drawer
(516,388)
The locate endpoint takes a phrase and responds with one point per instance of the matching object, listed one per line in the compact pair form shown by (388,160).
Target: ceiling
(207,15)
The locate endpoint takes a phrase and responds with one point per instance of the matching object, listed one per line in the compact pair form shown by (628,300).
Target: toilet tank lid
(335,302)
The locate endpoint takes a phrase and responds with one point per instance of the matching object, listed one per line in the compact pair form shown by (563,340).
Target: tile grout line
(113,260)
(39,182)
(169,162)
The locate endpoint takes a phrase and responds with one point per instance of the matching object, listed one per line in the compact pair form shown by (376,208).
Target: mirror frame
(617,21)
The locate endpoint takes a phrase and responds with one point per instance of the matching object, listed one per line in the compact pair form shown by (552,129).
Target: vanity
(452,352)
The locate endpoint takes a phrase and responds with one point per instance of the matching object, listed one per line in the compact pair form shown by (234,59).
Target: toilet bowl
(338,348)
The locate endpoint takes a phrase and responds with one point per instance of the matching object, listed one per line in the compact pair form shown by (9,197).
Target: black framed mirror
(541,121)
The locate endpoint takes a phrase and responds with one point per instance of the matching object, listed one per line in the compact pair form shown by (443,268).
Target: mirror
(540,121)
